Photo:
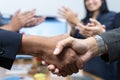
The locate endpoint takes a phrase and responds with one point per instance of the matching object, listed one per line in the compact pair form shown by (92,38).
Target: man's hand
(35,21)
(86,49)
(66,61)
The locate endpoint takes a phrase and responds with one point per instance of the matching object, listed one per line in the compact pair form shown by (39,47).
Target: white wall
(44,7)
(49,7)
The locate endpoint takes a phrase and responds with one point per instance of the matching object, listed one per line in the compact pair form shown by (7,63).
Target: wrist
(13,27)
(102,47)
(92,46)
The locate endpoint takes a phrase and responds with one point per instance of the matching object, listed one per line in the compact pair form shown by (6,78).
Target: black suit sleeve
(9,45)
(112,39)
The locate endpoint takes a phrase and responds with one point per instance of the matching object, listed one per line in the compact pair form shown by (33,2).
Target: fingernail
(56,51)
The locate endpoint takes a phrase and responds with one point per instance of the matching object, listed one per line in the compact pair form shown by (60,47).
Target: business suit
(9,45)
(112,39)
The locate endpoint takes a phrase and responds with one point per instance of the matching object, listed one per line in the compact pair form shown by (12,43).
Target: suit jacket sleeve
(9,45)
(112,39)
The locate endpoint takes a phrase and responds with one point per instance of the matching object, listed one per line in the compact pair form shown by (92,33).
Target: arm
(12,43)
(44,47)
(90,47)
(71,18)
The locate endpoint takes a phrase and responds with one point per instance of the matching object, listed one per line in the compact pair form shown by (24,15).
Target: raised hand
(69,15)
(19,19)
(35,21)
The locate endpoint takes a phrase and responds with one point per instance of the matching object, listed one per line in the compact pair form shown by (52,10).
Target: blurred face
(93,5)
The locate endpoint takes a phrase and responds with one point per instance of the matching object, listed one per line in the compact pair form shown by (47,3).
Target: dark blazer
(112,39)
(9,45)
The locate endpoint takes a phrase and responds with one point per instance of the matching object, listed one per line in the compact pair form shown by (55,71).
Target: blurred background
(28,67)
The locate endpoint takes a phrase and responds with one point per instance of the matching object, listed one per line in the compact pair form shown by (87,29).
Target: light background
(50,7)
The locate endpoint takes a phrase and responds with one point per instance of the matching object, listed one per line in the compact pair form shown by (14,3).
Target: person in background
(96,9)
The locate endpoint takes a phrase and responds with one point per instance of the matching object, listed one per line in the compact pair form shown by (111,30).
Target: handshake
(63,54)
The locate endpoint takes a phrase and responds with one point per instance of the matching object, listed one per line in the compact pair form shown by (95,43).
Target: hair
(103,9)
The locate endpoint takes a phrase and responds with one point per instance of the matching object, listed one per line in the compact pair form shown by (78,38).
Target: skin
(44,46)
(86,49)
(19,20)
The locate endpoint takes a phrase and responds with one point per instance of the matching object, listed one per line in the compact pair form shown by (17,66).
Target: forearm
(9,27)
(38,45)
(92,48)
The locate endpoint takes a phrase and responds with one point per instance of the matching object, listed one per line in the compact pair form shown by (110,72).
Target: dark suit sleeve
(112,39)
(9,45)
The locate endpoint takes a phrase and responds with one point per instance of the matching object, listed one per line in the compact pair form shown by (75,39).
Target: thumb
(62,44)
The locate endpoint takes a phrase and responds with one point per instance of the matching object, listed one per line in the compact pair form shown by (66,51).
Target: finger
(17,13)
(62,14)
(94,21)
(38,21)
(56,71)
(65,8)
(28,15)
(51,67)
(90,25)
(89,29)
(74,68)
(62,11)
(80,63)
(43,63)
(62,44)
(25,13)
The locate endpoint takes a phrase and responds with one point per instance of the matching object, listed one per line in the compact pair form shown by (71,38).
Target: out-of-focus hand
(93,28)
(19,19)
(69,15)
(35,21)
